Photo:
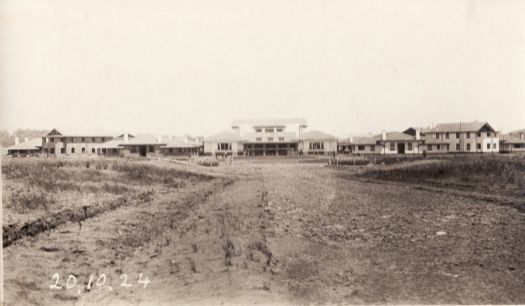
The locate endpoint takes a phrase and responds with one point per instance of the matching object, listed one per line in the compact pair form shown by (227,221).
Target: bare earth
(281,233)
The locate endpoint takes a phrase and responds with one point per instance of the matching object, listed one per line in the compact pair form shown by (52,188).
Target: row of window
(79,139)
(224,146)
(458,147)
(281,139)
(316,146)
(269,130)
(467,134)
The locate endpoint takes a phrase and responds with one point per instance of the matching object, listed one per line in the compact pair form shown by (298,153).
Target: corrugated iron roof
(460,126)
(33,144)
(316,135)
(225,136)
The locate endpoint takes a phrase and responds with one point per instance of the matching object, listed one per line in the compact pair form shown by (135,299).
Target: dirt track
(281,233)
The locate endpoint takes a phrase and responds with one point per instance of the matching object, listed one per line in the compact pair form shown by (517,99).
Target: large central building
(269,136)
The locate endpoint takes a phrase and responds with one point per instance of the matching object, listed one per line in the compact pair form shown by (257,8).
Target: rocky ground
(280,233)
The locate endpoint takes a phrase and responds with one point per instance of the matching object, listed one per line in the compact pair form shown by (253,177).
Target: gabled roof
(412,130)
(33,144)
(316,135)
(79,133)
(395,136)
(461,127)
(270,122)
(225,136)
(365,140)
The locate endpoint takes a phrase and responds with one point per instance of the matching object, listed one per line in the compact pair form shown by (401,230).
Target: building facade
(57,144)
(269,137)
(316,143)
(469,137)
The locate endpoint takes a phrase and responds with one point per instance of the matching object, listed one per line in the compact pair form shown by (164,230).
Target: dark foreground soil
(281,233)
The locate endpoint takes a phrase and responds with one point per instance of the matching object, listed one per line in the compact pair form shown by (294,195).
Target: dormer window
(279,130)
(258,130)
(268,130)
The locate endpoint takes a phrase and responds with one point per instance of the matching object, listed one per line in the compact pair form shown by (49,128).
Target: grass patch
(492,173)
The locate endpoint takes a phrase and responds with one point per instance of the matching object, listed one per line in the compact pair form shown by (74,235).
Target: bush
(29,199)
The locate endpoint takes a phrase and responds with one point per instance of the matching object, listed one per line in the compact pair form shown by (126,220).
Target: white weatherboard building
(269,137)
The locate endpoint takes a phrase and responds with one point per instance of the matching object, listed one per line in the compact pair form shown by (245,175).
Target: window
(479,134)
(446,135)
(438,147)
(488,145)
(225,146)
(114,150)
(268,130)
(133,150)
(372,148)
(72,150)
(393,146)
(409,146)
(258,139)
(494,146)
(63,150)
(93,140)
(258,130)
(457,135)
(457,146)
(279,130)
(52,151)
(429,147)
(468,134)
(488,134)
(151,148)
(170,150)
(468,146)
(93,150)
(281,138)
(270,138)
(51,139)
(83,139)
(478,146)
(83,150)
(316,146)
(361,148)
(437,135)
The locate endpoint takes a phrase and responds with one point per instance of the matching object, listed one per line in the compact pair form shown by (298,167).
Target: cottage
(28,147)
(182,146)
(224,143)
(141,146)
(317,143)
(513,142)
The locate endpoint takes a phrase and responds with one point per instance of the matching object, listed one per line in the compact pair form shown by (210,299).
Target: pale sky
(175,67)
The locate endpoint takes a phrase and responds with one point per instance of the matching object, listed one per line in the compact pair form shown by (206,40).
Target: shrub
(24,200)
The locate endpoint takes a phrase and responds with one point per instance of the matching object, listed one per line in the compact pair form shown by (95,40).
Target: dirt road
(280,233)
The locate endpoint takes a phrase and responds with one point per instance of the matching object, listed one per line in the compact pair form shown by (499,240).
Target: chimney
(159,138)
(17,140)
(383,136)
(351,139)
(126,137)
(418,135)
(26,139)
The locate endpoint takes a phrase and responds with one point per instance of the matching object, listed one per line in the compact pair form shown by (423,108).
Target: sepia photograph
(276,152)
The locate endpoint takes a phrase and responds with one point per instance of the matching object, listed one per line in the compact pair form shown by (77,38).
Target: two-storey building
(462,137)
(73,143)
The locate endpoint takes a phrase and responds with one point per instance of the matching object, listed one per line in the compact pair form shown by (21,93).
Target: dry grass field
(272,231)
